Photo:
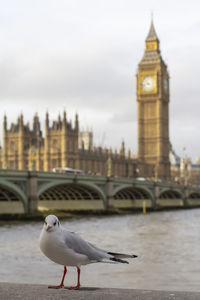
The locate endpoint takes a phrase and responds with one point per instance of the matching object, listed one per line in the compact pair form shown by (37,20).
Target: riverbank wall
(40,216)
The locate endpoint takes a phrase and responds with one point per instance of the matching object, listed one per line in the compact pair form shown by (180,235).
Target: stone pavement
(13,291)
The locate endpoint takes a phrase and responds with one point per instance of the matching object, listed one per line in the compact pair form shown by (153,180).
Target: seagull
(69,249)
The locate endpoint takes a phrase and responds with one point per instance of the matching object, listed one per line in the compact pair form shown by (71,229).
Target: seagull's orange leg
(62,281)
(78,281)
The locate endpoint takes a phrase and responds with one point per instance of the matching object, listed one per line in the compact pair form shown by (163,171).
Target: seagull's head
(51,223)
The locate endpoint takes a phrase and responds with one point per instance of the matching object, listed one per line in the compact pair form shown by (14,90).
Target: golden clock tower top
(152,47)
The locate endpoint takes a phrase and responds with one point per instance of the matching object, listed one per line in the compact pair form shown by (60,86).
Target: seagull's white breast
(54,247)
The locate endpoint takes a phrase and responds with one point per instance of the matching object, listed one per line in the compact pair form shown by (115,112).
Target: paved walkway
(9,291)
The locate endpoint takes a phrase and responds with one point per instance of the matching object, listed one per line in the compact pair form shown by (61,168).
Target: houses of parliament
(64,145)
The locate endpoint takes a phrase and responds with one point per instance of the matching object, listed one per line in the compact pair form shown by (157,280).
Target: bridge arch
(170,198)
(194,195)
(170,194)
(132,197)
(70,195)
(54,184)
(145,190)
(12,198)
(194,198)
(48,185)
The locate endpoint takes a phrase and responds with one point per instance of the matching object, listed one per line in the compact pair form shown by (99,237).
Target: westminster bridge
(29,191)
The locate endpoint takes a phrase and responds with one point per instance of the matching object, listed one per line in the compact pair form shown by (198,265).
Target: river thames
(167,245)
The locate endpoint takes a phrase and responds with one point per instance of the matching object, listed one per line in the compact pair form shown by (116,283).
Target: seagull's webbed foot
(61,285)
(72,287)
(55,286)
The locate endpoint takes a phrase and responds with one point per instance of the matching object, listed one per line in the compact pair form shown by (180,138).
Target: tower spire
(47,121)
(152,36)
(5,122)
(76,121)
(152,40)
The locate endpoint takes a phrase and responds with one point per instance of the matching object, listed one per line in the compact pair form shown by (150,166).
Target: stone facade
(27,149)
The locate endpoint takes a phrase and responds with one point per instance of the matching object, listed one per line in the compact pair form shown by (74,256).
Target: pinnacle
(152,33)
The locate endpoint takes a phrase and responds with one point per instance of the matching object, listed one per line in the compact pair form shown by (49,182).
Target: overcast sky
(82,56)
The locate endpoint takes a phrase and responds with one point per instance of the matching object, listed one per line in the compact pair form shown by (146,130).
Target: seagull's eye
(54,224)
(45,222)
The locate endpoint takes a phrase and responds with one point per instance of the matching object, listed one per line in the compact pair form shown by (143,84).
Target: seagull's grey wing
(79,245)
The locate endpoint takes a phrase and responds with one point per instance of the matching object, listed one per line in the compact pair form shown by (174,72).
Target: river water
(167,245)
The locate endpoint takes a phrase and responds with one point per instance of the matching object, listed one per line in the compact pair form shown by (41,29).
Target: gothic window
(71,163)
(26,146)
(26,164)
(12,164)
(55,144)
(12,146)
(81,164)
(71,146)
(34,142)
(55,163)
(33,165)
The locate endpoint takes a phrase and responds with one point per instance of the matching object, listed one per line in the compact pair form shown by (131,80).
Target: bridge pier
(32,192)
(186,196)
(156,196)
(109,193)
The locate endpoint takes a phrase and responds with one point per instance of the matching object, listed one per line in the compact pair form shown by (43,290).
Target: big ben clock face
(148,84)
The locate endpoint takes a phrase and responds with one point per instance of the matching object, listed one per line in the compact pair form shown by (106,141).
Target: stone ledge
(14,291)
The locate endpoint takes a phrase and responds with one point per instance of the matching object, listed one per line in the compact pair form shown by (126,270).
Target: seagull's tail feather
(119,260)
(121,255)
(117,257)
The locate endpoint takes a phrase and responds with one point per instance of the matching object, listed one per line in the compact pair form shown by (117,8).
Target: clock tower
(153,115)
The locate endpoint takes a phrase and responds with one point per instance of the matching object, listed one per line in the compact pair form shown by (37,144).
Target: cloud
(90,77)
